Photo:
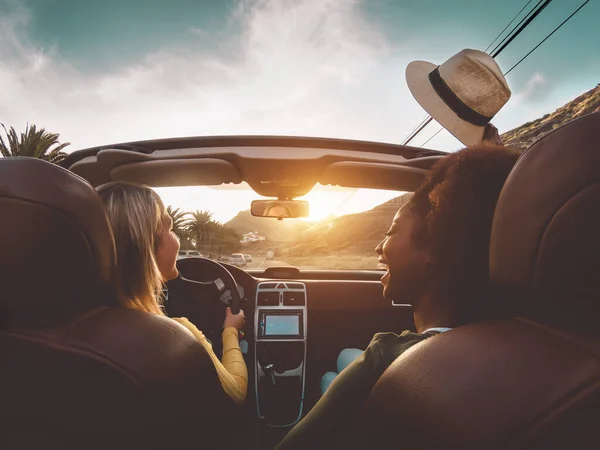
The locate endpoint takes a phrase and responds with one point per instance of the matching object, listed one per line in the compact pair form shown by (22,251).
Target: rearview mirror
(280,209)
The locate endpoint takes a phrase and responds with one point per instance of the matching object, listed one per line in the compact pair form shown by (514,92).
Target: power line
(428,118)
(547,37)
(537,9)
(509,24)
(437,132)
(525,57)
(520,27)
(421,123)
(418,130)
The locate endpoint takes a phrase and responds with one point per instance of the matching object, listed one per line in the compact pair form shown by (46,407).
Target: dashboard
(297,321)
(280,331)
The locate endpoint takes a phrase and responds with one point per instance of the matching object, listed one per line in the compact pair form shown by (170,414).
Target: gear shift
(269,373)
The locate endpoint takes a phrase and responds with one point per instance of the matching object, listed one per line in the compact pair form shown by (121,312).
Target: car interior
(285,369)
(84,373)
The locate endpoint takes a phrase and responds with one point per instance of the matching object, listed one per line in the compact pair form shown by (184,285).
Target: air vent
(268,299)
(268,285)
(294,286)
(294,299)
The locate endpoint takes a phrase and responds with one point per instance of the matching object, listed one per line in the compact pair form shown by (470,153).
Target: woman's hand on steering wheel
(234,320)
(201,292)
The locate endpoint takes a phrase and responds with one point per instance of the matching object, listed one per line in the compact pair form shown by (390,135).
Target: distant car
(270,254)
(248,257)
(189,254)
(237,259)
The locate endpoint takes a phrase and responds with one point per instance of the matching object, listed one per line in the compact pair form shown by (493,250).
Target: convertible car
(78,372)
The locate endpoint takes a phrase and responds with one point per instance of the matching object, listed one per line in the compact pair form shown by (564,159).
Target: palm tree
(198,225)
(179,224)
(33,143)
(178,218)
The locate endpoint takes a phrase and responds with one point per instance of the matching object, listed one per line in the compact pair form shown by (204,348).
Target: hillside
(526,134)
(352,234)
(271,229)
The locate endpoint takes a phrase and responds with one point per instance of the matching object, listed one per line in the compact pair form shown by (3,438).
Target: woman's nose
(379,248)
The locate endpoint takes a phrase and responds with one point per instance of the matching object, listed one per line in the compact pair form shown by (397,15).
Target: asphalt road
(261,263)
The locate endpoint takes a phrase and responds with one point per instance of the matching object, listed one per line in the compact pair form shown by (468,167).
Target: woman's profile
(146,255)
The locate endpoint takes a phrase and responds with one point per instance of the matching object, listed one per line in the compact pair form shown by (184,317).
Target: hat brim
(418,82)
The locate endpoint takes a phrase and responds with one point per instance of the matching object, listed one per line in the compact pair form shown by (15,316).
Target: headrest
(545,241)
(57,252)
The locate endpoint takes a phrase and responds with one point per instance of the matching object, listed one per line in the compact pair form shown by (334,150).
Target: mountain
(526,134)
(271,229)
(354,233)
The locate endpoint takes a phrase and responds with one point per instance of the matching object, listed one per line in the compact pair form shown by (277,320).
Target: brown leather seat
(76,371)
(531,382)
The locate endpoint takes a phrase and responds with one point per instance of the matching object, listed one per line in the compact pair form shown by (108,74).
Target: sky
(123,70)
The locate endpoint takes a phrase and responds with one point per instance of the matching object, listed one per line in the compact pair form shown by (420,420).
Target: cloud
(536,97)
(535,89)
(305,67)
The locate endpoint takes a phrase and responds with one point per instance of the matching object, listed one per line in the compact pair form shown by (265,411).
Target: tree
(198,226)
(179,224)
(221,239)
(33,143)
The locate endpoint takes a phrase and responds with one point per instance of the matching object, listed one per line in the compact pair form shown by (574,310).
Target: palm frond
(34,143)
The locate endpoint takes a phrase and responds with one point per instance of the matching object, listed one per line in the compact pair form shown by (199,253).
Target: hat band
(454,103)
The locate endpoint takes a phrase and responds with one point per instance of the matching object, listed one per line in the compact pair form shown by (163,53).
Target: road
(333,262)
(261,263)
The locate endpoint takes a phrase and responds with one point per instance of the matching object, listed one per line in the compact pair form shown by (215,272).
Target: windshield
(341,232)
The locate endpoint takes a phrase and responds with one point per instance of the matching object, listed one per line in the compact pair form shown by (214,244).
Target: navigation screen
(279,325)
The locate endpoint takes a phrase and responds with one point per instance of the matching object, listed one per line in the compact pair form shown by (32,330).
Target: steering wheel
(202,292)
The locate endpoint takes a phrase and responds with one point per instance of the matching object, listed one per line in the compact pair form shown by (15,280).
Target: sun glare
(227,201)
(318,211)
(335,201)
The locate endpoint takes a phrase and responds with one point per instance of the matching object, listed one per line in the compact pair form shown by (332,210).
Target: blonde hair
(138,218)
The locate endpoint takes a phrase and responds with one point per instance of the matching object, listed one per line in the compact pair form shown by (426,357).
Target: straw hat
(463,94)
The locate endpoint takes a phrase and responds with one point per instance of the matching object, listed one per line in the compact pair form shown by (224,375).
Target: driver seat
(78,371)
(530,382)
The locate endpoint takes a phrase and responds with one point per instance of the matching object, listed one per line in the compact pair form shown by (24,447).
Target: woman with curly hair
(436,253)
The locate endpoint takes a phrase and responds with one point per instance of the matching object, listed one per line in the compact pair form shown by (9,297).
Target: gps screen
(280,325)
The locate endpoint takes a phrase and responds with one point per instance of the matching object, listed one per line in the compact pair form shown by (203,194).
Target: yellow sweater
(232,372)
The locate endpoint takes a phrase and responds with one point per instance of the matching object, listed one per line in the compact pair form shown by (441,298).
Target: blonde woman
(146,255)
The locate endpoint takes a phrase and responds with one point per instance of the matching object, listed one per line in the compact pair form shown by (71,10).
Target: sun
(328,201)
(319,210)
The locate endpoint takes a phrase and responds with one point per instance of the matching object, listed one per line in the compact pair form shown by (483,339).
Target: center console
(280,349)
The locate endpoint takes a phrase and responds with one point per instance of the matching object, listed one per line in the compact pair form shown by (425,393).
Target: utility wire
(546,38)
(529,53)
(509,24)
(520,27)
(421,123)
(501,46)
(418,130)
(436,133)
